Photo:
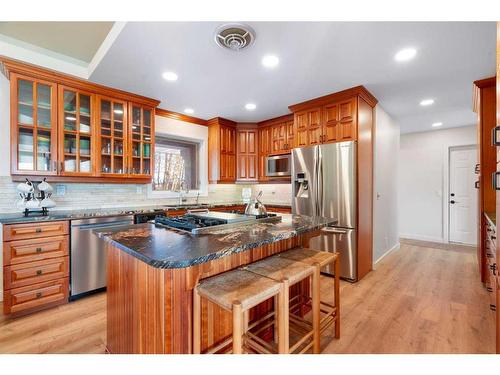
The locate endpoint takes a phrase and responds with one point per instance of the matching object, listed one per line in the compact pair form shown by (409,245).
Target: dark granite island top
(164,248)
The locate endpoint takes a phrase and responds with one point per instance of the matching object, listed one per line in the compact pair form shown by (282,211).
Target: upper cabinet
(247,152)
(69,129)
(141,140)
(221,150)
(282,138)
(332,118)
(76,132)
(33,126)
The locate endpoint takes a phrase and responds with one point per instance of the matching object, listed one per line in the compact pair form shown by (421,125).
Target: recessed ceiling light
(250,106)
(427,102)
(437,124)
(189,111)
(405,54)
(170,76)
(270,61)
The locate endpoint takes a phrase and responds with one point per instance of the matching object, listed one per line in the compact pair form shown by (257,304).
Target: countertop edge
(212,256)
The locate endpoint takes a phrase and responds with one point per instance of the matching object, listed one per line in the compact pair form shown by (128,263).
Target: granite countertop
(54,215)
(165,248)
(491,216)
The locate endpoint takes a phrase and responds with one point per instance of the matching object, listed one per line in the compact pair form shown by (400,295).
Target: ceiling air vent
(234,36)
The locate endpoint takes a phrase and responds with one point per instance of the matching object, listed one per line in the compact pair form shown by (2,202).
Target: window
(176,165)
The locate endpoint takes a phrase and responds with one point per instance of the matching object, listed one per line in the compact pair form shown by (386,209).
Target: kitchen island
(151,273)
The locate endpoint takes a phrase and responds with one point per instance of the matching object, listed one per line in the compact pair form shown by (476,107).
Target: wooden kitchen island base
(149,310)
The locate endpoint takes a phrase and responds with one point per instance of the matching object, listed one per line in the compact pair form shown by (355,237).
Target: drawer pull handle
(38,294)
(39,230)
(38,249)
(489,289)
(38,272)
(493,307)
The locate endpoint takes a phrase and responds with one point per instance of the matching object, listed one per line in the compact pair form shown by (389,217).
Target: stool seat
(309,256)
(279,268)
(247,288)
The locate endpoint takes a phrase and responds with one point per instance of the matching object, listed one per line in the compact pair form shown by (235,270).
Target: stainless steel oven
(279,165)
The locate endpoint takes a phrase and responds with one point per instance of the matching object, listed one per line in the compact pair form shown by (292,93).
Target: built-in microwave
(279,165)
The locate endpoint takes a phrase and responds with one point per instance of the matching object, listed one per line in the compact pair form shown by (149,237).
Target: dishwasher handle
(104,225)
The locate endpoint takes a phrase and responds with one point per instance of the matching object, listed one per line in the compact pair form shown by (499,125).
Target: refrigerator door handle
(320,183)
(334,230)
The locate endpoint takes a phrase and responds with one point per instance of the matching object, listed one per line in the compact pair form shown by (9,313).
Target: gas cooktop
(202,222)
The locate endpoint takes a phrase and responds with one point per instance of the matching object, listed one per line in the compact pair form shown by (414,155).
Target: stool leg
(276,317)
(237,328)
(337,297)
(196,322)
(316,311)
(282,314)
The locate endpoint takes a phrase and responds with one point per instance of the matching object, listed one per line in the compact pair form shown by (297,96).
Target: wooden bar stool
(238,291)
(321,259)
(290,272)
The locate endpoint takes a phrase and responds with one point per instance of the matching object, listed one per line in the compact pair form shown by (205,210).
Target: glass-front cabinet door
(112,137)
(34,129)
(76,132)
(141,140)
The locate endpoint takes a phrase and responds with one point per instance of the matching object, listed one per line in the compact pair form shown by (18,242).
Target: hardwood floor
(418,300)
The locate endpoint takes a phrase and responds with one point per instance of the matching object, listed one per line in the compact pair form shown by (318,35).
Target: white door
(463,195)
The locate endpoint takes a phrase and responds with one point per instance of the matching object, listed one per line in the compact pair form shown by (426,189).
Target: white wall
(385,175)
(422,161)
(4,126)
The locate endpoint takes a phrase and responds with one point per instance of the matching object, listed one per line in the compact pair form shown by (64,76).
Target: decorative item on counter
(35,197)
(255,206)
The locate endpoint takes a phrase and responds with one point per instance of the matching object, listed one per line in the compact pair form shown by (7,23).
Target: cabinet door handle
(476,184)
(38,272)
(38,249)
(38,230)
(39,295)
(61,168)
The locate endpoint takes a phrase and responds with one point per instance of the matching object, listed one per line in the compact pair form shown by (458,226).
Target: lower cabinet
(35,266)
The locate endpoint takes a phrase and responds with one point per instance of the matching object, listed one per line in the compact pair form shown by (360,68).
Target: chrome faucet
(182,189)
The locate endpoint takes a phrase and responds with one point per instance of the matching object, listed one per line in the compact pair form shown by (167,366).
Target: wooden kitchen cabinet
(35,266)
(282,132)
(112,137)
(68,129)
(76,132)
(33,115)
(247,152)
(308,129)
(221,150)
(264,150)
(140,141)
(334,121)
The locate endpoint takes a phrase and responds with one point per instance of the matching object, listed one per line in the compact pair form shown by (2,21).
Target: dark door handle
(453,202)
(494,136)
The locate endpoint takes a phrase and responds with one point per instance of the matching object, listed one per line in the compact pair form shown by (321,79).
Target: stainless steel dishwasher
(88,256)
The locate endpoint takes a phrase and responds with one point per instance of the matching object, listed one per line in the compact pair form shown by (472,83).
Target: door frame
(446,187)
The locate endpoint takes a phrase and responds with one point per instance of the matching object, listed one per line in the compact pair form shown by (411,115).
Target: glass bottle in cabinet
(141,140)
(33,129)
(112,137)
(76,132)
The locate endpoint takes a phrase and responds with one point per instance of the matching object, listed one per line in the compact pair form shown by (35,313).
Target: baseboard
(436,244)
(418,237)
(392,249)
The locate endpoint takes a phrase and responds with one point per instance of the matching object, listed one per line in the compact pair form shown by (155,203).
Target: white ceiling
(316,58)
(77,40)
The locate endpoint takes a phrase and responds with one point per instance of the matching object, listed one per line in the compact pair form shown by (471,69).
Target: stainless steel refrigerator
(324,184)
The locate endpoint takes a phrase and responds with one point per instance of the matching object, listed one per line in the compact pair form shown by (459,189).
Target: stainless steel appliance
(88,257)
(279,165)
(324,184)
(144,217)
(207,221)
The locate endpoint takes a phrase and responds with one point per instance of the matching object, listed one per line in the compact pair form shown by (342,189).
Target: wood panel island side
(151,273)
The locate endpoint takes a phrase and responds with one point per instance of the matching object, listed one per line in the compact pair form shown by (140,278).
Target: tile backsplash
(81,196)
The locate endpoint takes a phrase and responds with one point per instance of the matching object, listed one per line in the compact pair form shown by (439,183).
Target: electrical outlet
(60,190)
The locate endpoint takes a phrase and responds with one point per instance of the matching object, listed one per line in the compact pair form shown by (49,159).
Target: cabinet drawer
(35,297)
(23,274)
(23,251)
(34,230)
